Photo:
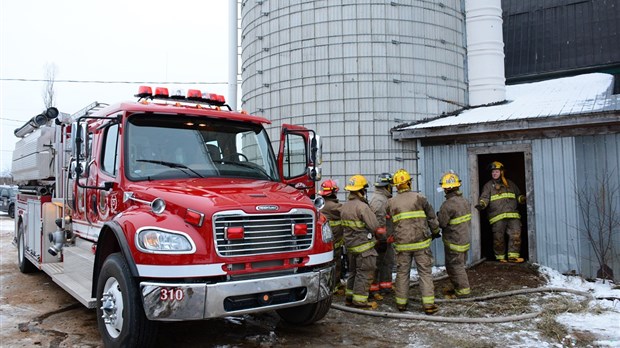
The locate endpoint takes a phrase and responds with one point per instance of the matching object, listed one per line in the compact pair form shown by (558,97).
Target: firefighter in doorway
(455,222)
(500,197)
(385,258)
(360,227)
(331,210)
(412,215)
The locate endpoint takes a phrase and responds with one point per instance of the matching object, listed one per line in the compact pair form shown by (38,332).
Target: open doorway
(515,170)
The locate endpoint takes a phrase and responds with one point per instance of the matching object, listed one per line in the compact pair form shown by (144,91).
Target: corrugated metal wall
(557,239)
(352,70)
(598,161)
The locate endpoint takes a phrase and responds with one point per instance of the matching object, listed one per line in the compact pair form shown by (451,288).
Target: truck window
(165,147)
(110,150)
(295,153)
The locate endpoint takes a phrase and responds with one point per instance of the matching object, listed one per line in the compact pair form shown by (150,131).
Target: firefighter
(360,227)
(412,215)
(455,222)
(331,210)
(385,251)
(500,197)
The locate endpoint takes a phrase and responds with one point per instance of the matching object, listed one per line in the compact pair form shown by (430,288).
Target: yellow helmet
(450,180)
(496,165)
(401,177)
(356,182)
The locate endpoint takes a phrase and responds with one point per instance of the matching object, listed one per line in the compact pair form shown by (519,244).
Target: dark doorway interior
(514,164)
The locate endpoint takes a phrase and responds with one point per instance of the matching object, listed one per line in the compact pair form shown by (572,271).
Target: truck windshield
(169,147)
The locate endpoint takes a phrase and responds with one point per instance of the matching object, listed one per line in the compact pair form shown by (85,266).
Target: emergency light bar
(193,95)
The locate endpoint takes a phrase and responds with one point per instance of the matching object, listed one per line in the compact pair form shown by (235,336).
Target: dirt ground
(35,312)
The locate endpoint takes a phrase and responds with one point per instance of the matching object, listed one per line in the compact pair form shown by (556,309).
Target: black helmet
(383,180)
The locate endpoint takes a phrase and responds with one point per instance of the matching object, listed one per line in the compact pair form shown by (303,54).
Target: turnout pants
(361,272)
(424,264)
(512,228)
(455,266)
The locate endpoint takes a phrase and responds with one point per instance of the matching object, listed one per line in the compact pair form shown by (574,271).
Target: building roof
(570,101)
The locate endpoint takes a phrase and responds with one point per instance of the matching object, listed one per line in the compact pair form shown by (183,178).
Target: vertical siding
(597,157)
(557,239)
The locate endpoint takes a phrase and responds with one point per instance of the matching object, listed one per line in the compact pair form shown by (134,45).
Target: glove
(381,231)
(436,235)
(479,207)
(521,199)
(390,239)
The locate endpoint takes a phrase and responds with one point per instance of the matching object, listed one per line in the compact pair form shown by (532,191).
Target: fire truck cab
(172,208)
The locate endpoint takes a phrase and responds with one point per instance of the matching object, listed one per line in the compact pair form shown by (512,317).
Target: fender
(105,247)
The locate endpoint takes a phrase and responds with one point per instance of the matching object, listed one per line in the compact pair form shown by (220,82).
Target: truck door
(299,158)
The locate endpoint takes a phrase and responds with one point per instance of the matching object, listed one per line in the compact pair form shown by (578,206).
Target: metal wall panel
(353,70)
(556,36)
(598,160)
(556,212)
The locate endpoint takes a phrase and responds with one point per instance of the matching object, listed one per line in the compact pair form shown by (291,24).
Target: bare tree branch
(50,78)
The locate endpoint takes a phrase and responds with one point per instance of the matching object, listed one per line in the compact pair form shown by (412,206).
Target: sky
(109,41)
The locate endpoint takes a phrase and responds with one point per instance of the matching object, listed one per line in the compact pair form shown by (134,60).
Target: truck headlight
(151,240)
(326,233)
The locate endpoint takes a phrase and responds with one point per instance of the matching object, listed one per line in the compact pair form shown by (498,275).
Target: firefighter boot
(430,308)
(449,294)
(348,301)
(401,307)
(516,259)
(365,305)
(377,296)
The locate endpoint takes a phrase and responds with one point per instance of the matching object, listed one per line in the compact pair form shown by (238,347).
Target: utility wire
(121,82)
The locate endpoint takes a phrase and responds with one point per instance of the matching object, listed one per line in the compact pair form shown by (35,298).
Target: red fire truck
(172,208)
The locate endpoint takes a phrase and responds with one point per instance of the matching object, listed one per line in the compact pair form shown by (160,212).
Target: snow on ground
(604,319)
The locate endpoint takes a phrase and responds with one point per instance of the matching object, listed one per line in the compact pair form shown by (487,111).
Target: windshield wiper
(179,166)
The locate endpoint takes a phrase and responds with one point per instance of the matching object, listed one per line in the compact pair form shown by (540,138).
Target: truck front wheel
(120,315)
(306,314)
(25,266)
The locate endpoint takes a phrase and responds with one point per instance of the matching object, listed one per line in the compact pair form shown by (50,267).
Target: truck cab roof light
(161,92)
(178,94)
(194,94)
(144,92)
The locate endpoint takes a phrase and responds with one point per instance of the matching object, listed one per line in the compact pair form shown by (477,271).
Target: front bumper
(183,301)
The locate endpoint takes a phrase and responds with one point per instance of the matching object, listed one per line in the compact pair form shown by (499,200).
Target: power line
(119,82)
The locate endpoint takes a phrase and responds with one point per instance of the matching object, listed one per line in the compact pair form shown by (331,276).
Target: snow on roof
(580,94)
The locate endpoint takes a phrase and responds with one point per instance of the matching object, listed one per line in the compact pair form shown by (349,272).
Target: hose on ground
(467,320)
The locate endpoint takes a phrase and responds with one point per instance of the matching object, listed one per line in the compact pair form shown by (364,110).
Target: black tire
(25,266)
(306,314)
(130,327)
(12,211)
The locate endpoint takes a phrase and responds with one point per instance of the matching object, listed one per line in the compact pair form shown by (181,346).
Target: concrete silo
(352,70)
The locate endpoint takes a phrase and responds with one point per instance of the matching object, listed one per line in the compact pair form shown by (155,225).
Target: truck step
(74,287)
(75,273)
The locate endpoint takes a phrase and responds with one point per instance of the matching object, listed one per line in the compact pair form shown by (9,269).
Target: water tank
(352,70)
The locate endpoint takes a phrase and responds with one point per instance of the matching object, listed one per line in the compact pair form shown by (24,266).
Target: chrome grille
(263,233)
